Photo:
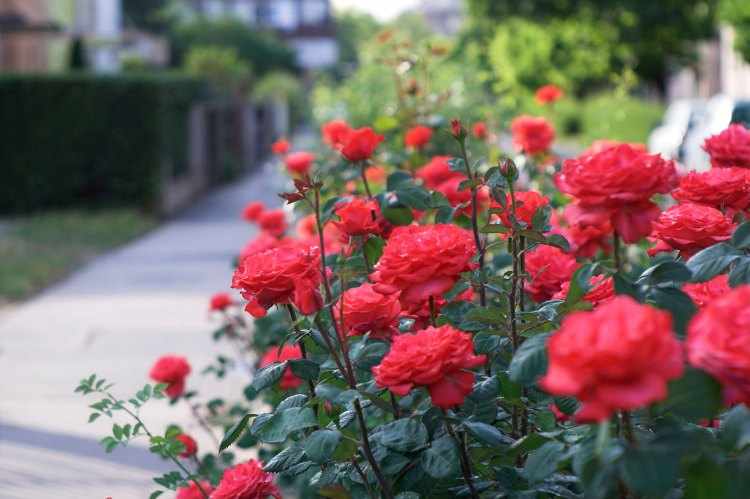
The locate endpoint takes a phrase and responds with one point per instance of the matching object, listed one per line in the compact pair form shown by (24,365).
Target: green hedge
(91,140)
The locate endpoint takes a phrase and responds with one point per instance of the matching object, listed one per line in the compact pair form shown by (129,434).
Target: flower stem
(481,249)
(616,251)
(303,351)
(433,312)
(202,423)
(363,175)
(385,486)
(463,456)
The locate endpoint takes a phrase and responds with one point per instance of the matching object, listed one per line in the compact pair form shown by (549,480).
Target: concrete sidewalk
(114,318)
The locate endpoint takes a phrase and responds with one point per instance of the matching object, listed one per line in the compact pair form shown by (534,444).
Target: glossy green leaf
(440,460)
(320,445)
(404,435)
(530,360)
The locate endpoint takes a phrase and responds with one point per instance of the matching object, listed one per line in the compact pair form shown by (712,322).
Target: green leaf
(712,261)
(414,197)
(404,435)
(740,273)
(155,494)
(741,236)
(694,396)
(580,283)
(285,459)
(735,429)
(669,271)
(706,480)
(93,416)
(487,434)
(397,179)
(398,215)
(320,445)
(304,368)
(650,473)
(234,432)
(530,360)
(567,405)
(276,429)
(676,302)
(623,286)
(373,249)
(268,376)
(558,241)
(440,460)
(543,461)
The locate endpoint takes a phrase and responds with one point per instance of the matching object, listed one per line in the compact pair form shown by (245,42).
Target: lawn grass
(40,249)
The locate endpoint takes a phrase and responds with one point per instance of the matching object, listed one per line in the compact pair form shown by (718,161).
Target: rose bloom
(548,94)
(281,146)
(586,235)
(619,356)
(527,204)
(689,228)
(437,171)
(600,145)
(375,174)
(617,184)
(359,217)
(479,130)
(418,136)
(193,492)
(299,162)
(729,148)
(602,290)
(246,481)
(220,301)
(273,222)
(549,267)
(423,261)
(335,132)
(450,189)
(366,310)
(437,358)
(172,370)
(280,276)
(718,342)
(360,144)
(191,447)
(265,241)
(719,187)
(532,135)
(703,293)
(253,210)
(288,380)
(333,238)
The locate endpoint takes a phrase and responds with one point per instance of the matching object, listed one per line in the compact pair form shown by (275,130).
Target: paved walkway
(114,318)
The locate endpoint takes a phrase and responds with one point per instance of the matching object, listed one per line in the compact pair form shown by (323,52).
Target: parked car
(667,138)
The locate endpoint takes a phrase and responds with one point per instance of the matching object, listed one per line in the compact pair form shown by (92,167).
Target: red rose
(273,222)
(264,242)
(729,148)
(367,310)
(360,144)
(532,135)
(437,358)
(172,370)
(423,261)
(246,481)
(375,174)
(356,217)
(689,228)
(619,356)
(527,204)
(281,146)
(437,171)
(719,187)
(600,145)
(549,267)
(457,129)
(193,492)
(335,133)
(280,276)
(418,137)
(718,341)
(252,211)
(585,235)
(288,380)
(455,196)
(299,162)
(617,184)
(220,301)
(548,94)
(480,130)
(602,290)
(307,227)
(191,446)
(703,293)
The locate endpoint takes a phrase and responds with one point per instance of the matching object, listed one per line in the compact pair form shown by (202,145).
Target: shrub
(82,140)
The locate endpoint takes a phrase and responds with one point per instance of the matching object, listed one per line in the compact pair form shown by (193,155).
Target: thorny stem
(363,175)
(394,405)
(475,223)
(151,436)
(202,423)
(385,486)
(464,456)
(433,312)
(514,242)
(361,474)
(303,351)
(627,427)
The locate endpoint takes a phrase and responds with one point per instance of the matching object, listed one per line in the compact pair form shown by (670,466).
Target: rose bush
(437,324)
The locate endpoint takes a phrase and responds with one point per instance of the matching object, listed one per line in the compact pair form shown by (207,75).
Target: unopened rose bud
(457,129)
(508,168)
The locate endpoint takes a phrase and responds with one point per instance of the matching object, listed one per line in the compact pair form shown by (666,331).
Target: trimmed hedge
(91,140)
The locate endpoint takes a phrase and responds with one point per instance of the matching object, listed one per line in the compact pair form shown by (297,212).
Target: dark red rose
(437,358)
(191,446)
(418,136)
(689,228)
(437,171)
(220,301)
(548,94)
(246,481)
(172,370)
(280,276)
(288,380)
(480,130)
(356,217)
(423,261)
(366,310)
(193,492)
(252,211)
(280,147)
(532,135)
(360,144)
(549,268)
(602,290)
(729,148)
(299,162)
(619,356)
(703,293)
(273,222)
(722,188)
(335,133)
(718,341)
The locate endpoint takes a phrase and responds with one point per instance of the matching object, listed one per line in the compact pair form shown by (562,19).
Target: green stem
(481,249)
